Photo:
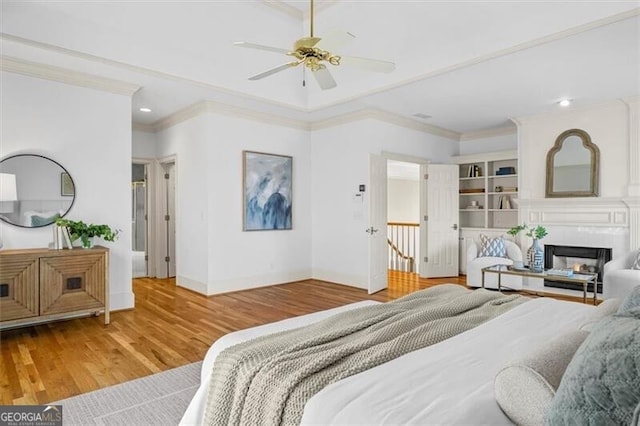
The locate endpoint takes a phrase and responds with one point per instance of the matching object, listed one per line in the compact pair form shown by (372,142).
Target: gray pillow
(601,385)
(632,301)
(524,388)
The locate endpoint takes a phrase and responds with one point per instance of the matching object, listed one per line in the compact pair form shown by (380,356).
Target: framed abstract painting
(268,189)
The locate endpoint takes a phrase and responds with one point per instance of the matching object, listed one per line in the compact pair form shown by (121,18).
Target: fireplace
(580,259)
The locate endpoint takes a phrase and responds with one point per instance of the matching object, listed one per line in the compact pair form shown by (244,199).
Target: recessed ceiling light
(564,103)
(145,109)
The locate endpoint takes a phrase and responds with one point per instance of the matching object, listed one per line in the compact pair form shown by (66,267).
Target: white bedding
(447,383)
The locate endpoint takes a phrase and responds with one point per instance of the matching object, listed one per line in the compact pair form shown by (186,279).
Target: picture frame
(67,188)
(267,185)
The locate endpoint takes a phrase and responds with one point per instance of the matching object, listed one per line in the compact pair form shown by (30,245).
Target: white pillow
(607,307)
(524,388)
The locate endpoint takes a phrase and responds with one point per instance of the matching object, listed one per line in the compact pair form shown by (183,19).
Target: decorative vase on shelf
(535,256)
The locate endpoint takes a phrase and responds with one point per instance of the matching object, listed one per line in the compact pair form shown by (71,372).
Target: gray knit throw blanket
(268,380)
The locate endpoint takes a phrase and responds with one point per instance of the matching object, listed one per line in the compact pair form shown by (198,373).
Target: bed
(450,382)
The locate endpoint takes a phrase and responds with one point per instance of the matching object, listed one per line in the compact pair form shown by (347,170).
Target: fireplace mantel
(611,212)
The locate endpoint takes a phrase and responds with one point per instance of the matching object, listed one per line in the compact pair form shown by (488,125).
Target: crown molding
(492,55)
(489,133)
(224,109)
(519,121)
(395,119)
(146,71)
(480,59)
(143,127)
(67,76)
(204,107)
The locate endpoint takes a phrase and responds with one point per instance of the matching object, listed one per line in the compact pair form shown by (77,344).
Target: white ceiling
(469,65)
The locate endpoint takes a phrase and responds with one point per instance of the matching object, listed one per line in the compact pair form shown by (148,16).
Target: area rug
(159,399)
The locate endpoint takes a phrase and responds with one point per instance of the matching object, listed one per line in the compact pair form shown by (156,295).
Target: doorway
(139,217)
(403,215)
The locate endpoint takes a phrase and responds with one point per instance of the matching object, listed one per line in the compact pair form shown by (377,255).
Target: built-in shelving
(480,184)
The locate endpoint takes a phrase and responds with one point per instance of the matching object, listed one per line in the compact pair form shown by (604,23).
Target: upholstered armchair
(619,277)
(475,263)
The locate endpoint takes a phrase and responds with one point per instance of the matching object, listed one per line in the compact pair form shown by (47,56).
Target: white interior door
(378,253)
(169,218)
(442,221)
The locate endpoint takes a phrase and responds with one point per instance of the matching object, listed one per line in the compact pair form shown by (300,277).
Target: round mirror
(34,190)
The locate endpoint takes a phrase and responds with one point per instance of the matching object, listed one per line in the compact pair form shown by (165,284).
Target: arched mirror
(34,190)
(572,166)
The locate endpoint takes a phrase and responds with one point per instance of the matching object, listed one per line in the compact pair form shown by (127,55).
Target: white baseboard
(193,285)
(357,281)
(262,280)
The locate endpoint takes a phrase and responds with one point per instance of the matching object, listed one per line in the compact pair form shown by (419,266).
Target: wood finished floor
(168,328)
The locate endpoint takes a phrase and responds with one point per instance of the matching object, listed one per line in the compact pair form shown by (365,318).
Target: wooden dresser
(40,285)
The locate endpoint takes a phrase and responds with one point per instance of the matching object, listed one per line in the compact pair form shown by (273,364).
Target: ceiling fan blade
(260,47)
(335,40)
(369,64)
(274,70)
(324,78)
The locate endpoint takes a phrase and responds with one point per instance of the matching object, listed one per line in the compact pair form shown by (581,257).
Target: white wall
(340,163)
(403,200)
(143,145)
(608,126)
(213,253)
(89,133)
(603,221)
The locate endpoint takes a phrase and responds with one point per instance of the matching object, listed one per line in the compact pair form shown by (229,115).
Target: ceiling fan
(313,53)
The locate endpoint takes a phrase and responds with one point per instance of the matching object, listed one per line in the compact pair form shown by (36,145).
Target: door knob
(371,230)
(455,226)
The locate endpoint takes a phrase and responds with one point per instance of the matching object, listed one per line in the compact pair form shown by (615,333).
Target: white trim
(145,71)
(493,55)
(488,133)
(67,76)
(351,280)
(262,280)
(193,285)
(388,117)
(633,204)
(485,156)
(526,119)
(204,107)
(609,212)
(633,108)
(143,127)
(480,59)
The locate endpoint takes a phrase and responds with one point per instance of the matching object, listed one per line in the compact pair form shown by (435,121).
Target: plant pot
(88,243)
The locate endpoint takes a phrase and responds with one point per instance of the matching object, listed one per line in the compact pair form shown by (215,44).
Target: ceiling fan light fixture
(311,52)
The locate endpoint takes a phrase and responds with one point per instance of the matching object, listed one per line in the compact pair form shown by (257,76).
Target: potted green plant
(535,254)
(87,232)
